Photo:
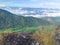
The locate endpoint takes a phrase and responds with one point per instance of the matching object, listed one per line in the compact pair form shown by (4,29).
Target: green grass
(30,29)
(44,34)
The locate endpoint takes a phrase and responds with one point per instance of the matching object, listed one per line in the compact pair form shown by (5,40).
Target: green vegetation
(30,29)
(44,34)
(42,29)
(54,20)
(9,20)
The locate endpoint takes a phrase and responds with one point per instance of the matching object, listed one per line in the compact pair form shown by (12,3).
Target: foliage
(9,20)
(44,34)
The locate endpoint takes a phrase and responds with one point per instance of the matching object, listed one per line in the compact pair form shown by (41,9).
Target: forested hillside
(9,20)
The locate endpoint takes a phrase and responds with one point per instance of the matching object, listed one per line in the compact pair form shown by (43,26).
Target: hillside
(54,20)
(9,20)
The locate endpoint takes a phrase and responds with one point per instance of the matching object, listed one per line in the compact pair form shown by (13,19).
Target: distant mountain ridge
(34,12)
(9,20)
(54,20)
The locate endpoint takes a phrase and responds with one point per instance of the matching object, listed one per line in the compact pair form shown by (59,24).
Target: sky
(31,3)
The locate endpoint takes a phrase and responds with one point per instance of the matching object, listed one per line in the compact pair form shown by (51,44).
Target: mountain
(54,20)
(9,20)
(34,12)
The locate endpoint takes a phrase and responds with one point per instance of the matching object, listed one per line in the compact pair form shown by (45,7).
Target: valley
(42,28)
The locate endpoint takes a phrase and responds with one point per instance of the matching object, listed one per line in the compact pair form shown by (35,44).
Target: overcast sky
(31,3)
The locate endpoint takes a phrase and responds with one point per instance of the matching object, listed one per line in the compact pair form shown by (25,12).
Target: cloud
(2,5)
(49,4)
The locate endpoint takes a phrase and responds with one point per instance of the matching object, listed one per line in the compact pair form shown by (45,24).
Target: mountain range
(34,12)
(10,20)
(14,17)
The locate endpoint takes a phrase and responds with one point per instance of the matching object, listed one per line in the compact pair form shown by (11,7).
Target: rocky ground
(19,39)
(57,36)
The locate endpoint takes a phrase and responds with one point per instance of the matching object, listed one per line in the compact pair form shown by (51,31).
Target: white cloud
(2,5)
(48,3)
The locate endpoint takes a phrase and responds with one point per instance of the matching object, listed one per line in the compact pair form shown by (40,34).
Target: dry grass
(45,37)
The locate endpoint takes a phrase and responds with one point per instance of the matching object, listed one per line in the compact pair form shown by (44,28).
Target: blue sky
(31,3)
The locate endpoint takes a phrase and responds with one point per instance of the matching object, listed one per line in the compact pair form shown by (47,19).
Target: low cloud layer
(2,5)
